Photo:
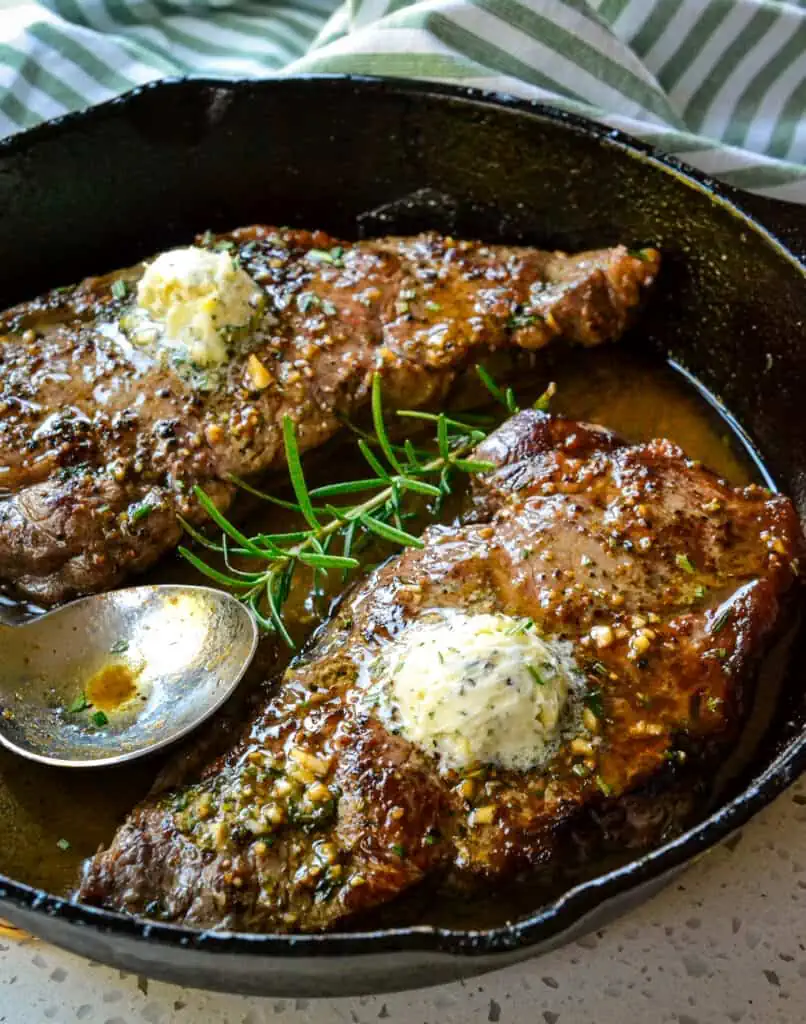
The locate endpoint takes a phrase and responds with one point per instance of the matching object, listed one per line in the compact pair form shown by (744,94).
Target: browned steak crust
(320,813)
(100,446)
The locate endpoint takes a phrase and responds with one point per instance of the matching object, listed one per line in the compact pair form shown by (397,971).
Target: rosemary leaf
(366,451)
(254,577)
(419,487)
(328,561)
(347,546)
(349,487)
(411,455)
(295,473)
(274,611)
(199,537)
(474,465)
(282,538)
(221,520)
(491,385)
(292,506)
(284,585)
(431,417)
(263,622)
(390,533)
(380,426)
(214,574)
(394,504)
(442,438)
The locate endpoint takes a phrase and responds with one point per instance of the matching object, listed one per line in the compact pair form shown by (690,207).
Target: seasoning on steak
(100,444)
(669,583)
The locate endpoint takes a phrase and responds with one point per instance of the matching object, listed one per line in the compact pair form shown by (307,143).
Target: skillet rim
(583,899)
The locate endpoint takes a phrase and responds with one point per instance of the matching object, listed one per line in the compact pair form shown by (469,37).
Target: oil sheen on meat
(101,445)
(668,584)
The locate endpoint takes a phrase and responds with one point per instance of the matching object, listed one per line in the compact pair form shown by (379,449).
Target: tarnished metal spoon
(115,676)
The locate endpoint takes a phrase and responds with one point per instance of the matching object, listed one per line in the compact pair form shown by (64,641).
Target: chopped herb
(399,849)
(594,701)
(318,817)
(120,289)
(580,769)
(700,591)
(306,300)
(521,320)
(99,719)
(120,646)
(684,562)
(535,675)
(722,653)
(599,669)
(334,256)
(225,245)
(408,293)
(520,627)
(433,307)
(327,307)
(432,838)
(713,703)
(71,472)
(63,844)
(328,885)
(721,621)
(140,511)
(79,704)
(639,254)
(603,786)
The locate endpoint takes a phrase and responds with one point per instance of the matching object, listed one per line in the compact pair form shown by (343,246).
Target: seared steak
(669,584)
(100,444)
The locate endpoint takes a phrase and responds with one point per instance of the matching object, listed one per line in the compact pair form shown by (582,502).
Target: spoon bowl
(115,676)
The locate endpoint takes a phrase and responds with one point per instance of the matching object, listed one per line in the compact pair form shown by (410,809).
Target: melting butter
(475,688)
(192,301)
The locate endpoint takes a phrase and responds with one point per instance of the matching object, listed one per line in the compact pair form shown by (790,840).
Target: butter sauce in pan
(45,811)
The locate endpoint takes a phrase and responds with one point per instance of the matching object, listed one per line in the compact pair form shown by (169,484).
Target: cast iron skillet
(100,189)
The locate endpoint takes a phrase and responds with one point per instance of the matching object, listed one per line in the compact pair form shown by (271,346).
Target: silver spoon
(115,676)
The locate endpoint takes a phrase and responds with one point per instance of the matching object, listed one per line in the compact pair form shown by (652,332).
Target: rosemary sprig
(399,470)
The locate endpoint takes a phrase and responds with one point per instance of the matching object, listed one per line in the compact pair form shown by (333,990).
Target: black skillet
(107,187)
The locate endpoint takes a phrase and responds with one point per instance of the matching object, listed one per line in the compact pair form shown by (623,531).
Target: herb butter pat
(475,688)
(192,300)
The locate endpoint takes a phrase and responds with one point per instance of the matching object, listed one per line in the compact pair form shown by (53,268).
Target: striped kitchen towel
(722,83)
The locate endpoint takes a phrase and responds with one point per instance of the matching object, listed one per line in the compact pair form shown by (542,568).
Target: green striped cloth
(721,83)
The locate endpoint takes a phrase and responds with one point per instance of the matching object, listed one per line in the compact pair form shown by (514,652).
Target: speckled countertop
(726,943)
